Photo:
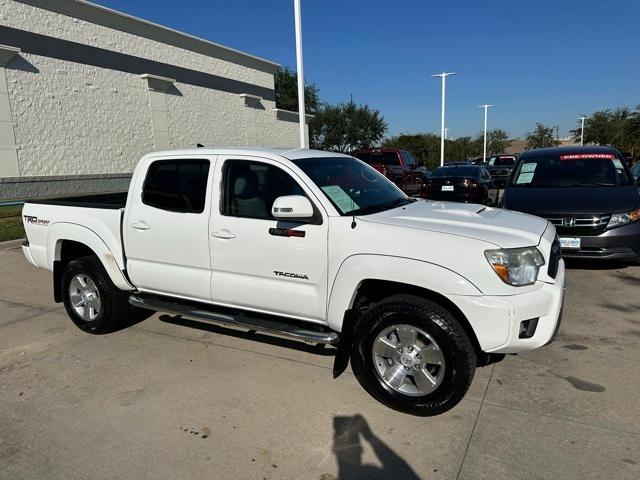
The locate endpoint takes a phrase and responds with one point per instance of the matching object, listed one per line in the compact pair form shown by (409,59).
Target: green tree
(286,85)
(542,136)
(424,147)
(462,148)
(497,141)
(619,127)
(346,127)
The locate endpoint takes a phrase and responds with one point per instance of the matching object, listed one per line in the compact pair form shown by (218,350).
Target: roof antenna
(199,145)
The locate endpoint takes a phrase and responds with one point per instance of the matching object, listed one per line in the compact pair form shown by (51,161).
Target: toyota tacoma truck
(311,245)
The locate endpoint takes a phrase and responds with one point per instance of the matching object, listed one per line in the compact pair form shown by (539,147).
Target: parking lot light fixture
(486,108)
(300,72)
(444,76)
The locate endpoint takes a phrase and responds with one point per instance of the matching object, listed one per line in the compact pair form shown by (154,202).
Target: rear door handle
(140,225)
(224,233)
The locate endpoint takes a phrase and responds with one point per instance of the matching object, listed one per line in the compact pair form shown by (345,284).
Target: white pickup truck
(312,245)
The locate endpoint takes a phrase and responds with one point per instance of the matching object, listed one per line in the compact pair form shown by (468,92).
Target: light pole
(582,119)
(486,108)
(300,72)
(446,133)
(444,76)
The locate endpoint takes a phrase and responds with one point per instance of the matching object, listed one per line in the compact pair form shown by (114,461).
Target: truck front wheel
(91,299)
(412,355)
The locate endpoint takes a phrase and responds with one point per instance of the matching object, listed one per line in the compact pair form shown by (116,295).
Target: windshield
(353,187)
(581,170)
(379,158)
(461,171)
(501,161)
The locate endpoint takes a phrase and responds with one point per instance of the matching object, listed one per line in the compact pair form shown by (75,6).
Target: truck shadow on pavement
(317,349)
(348,432)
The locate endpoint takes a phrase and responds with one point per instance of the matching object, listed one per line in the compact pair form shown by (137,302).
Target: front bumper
(620,243)
(496,319)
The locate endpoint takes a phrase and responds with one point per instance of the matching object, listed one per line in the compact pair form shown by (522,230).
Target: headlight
(618,219)
(516,266)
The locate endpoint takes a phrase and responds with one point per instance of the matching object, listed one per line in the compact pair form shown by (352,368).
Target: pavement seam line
(563,419)
(33,307)
(475,424)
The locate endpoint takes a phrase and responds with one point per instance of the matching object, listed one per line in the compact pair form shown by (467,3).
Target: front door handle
(224,233)
(140,225)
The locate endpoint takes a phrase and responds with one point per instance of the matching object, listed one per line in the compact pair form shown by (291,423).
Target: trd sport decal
(290,275)
(35,220)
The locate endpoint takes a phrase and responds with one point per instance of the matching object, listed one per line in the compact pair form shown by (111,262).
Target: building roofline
(113,19)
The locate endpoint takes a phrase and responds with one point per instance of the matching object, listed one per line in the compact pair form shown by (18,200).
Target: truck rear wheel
(412,355)
(91,299)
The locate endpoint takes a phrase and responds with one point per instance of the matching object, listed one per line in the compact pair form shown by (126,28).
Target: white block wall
(75,119)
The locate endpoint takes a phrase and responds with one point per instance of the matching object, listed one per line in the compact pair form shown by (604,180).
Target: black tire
(457,350)
(114,310)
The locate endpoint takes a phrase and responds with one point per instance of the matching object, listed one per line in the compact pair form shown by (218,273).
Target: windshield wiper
(399,201)
(379,208)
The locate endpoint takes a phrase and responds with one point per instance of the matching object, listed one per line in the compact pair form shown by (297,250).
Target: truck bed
(84,218)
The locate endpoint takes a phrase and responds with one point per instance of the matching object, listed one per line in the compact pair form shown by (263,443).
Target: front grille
(554,258)
(579,225)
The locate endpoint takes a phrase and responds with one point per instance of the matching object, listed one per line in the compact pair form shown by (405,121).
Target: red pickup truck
(396,164)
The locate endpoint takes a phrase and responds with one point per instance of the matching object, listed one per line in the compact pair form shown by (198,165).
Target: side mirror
(292,207)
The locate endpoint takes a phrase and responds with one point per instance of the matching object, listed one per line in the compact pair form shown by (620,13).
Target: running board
(264,325)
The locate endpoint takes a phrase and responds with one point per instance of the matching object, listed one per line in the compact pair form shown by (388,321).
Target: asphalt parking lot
(162,400)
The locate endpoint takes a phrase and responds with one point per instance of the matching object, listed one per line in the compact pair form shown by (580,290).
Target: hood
(572,200)
(500,227)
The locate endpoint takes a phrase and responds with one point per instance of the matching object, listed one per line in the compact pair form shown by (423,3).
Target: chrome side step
(266,325)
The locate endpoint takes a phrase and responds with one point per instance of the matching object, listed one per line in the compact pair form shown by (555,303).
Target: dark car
(458,183)
(588,193)
(500,168)
(396,164)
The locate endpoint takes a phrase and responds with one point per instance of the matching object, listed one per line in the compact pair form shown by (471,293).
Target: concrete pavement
(164,400)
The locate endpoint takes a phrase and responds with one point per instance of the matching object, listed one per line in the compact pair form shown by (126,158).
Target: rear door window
(365,157)
(176,185)
(503,162)
(384,158)
(408,160)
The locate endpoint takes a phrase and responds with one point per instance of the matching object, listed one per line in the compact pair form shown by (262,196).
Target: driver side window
(249,188)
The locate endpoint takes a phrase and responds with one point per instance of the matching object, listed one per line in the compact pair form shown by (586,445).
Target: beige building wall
(92,90)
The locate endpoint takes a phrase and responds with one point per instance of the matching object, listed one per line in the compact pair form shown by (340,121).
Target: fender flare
(358,268)
(58,232)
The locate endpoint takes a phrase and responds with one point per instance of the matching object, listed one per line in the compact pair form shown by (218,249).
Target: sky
(543,61)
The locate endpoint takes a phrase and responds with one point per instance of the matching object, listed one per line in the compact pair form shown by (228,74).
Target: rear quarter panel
(46,226)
